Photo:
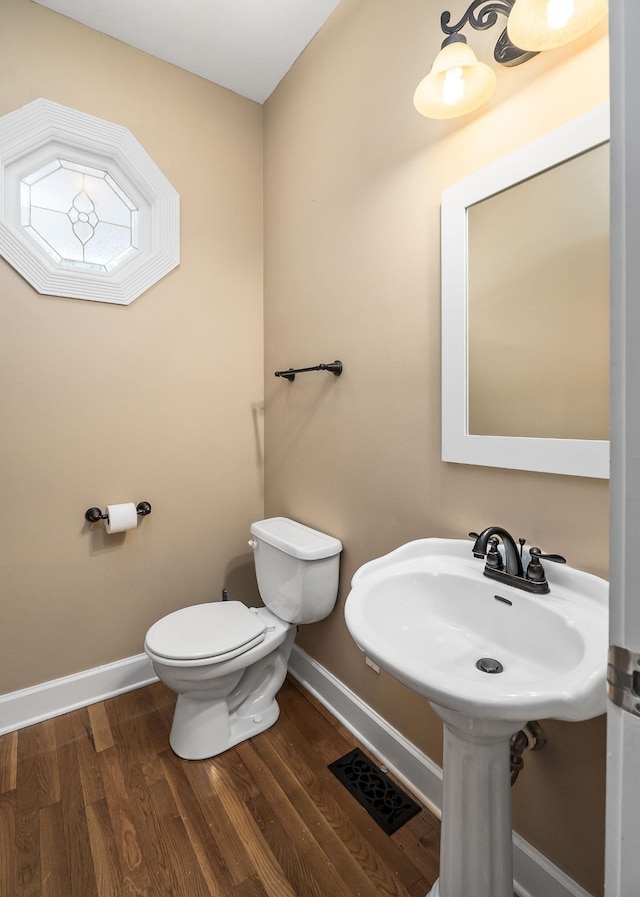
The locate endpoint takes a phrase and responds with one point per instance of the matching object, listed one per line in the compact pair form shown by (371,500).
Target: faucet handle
(535,570)
(556,558)
(476,554)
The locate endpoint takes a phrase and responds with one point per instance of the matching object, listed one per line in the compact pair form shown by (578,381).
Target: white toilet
(226,661)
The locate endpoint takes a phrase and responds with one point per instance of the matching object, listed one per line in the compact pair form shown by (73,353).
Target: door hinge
(623,679)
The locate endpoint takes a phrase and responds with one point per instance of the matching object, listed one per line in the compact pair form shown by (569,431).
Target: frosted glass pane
(79,214)
(109,242)
(109,206)
(55,232)
(56,191)
(120,192)
(83,169)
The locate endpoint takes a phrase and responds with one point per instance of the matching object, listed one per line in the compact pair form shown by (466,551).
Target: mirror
(525,307)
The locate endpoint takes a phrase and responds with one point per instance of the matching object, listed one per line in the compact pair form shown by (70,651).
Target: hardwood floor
(95,804)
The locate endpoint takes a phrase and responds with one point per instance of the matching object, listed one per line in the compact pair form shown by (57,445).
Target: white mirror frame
(40,133)
(576,457)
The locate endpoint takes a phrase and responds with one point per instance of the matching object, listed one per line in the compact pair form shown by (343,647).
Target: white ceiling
(245,45)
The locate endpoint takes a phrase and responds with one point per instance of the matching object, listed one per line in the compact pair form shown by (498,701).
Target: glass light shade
(538,25)
(457,83)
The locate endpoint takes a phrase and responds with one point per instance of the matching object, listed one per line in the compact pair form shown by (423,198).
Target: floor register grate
(387,804)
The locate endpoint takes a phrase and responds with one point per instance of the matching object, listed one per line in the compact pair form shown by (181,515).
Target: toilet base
(203,729)
(205,725)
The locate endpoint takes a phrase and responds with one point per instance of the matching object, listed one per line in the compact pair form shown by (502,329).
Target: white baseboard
(32,705)
(534,874)
(402,758)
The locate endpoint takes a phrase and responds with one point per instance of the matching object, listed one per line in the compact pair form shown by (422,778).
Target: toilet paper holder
(94,514)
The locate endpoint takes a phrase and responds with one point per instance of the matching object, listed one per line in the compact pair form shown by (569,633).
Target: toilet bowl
(225,661)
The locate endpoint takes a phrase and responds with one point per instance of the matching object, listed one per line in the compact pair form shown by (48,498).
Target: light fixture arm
(482,21)
(482,15)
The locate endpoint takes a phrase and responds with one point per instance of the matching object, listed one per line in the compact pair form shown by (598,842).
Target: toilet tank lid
(296,539)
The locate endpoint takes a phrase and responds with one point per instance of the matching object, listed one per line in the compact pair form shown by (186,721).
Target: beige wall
(160,400)
(353,177)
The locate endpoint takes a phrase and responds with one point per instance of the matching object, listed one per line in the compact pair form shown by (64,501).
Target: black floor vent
(384,802)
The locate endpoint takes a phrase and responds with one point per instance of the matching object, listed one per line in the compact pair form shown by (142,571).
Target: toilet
(226,661)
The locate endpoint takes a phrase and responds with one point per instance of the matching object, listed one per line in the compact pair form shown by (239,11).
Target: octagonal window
(84,210)
(79,215)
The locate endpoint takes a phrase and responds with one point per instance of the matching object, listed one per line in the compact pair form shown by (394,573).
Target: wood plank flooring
(95,804)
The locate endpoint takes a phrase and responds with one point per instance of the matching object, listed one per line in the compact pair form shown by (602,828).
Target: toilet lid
(218,630)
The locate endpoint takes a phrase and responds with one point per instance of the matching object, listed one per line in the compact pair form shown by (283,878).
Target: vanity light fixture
(459,83)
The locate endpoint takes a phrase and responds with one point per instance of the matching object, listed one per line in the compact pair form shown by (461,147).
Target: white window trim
(42,131)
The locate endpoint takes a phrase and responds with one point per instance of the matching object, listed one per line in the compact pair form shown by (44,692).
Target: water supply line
(529,738)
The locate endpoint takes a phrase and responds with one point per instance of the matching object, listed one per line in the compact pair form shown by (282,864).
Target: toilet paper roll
(121,518)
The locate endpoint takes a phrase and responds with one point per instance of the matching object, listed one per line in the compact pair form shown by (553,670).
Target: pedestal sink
(489,658)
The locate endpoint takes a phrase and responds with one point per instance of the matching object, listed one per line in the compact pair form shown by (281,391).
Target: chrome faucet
(512,571)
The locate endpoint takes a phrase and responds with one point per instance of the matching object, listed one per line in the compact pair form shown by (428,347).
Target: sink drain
(489,665)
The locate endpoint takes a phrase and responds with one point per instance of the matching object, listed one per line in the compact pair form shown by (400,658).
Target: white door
(623,755)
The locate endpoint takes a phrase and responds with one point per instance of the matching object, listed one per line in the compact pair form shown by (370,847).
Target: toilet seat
(217,632)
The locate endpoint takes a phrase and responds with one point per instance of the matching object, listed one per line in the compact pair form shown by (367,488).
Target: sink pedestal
(476,853)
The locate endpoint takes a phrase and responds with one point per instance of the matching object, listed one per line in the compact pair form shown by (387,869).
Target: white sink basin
(426,614)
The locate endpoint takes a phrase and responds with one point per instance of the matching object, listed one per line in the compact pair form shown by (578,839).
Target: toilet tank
(296,568)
